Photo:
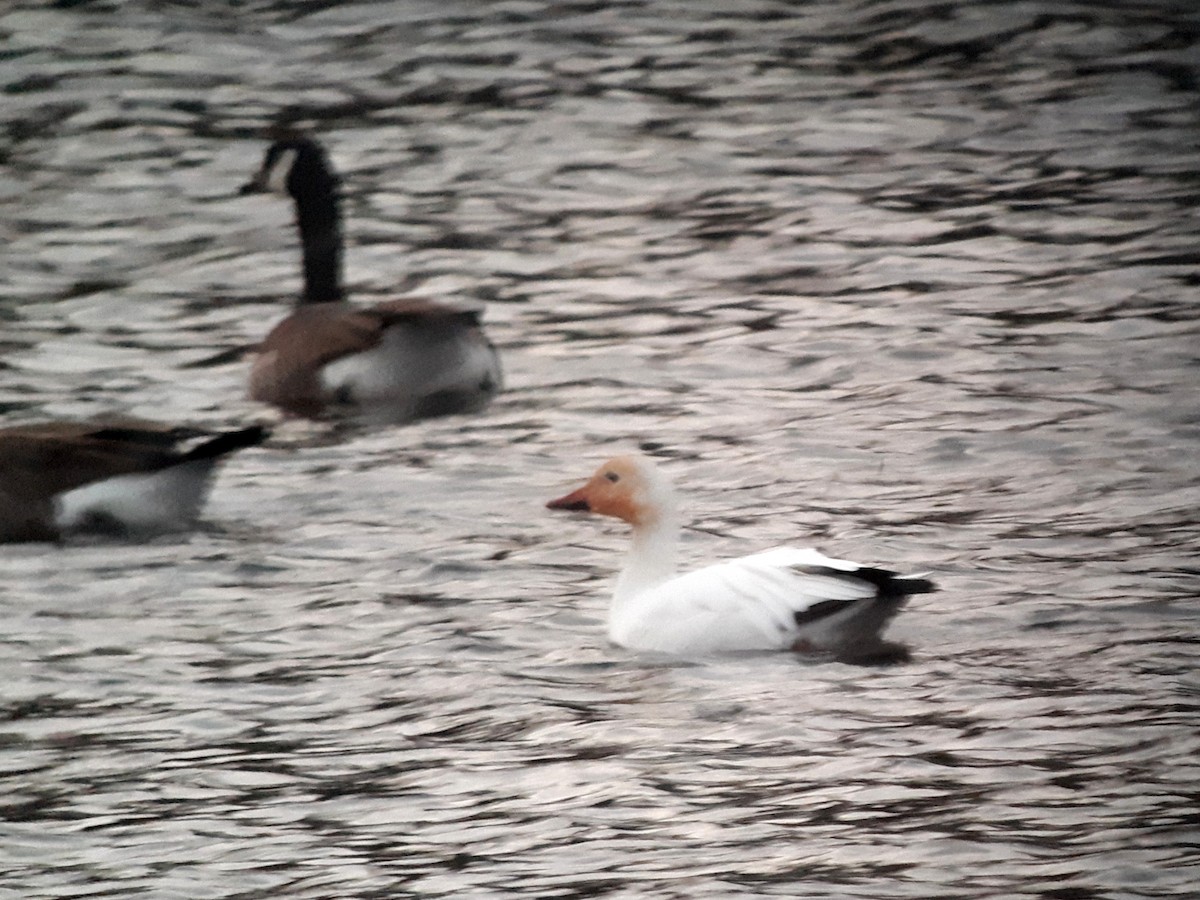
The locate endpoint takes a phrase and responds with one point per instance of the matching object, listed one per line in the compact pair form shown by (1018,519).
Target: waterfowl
(394,361)
(121,477)
(781,599)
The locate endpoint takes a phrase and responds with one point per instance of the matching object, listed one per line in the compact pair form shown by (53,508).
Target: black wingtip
(819,611)
(890,584)
(230,441)
(908,586)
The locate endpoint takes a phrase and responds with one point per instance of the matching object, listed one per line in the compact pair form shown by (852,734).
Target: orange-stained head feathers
(618,488)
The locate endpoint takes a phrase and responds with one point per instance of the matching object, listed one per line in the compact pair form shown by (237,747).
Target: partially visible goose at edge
(781,599)
(391,362)
(127,477)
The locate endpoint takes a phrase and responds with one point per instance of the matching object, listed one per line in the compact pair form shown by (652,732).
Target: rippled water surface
(916,283)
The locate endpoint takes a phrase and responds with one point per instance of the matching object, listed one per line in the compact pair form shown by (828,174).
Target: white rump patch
(411,365)
(166,500)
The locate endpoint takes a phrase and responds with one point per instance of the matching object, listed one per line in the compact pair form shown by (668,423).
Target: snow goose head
(629,488)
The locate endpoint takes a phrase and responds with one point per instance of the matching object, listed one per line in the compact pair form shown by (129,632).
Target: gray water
(912,283)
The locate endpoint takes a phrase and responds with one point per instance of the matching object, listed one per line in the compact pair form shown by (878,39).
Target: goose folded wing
(60,456)
(751,603)
(315,335)
(287,370)
(416,309)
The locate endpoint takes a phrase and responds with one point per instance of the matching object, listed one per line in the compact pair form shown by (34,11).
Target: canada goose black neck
(388,362)
(314,187)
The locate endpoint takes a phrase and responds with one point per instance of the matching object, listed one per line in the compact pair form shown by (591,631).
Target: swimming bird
(119,477)
(781,599)
(394,361)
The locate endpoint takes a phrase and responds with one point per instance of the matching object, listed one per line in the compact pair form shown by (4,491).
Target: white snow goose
(120,477)
(392,362)
(781,599)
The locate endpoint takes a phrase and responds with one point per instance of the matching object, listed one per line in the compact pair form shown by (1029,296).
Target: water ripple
(914,284)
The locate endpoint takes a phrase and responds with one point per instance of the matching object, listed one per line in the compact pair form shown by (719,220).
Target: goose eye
(612,476)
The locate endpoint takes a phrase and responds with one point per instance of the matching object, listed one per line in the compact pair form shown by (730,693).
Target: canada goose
(392,362)
(119,477)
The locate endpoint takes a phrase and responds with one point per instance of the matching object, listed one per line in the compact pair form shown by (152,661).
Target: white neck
(651,559)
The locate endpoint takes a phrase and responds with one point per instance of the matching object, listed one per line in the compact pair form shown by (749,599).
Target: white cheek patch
(277,176)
